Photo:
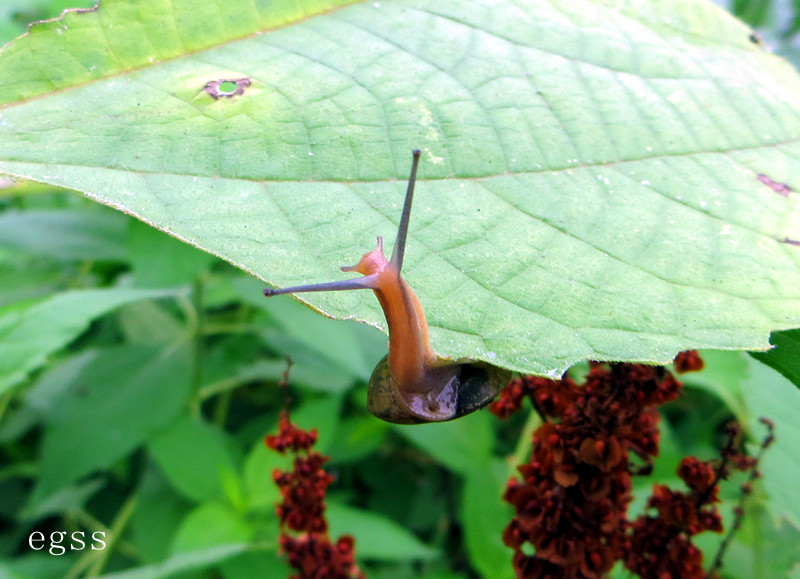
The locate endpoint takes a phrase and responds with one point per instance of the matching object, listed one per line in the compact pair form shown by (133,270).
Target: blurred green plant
(776,23)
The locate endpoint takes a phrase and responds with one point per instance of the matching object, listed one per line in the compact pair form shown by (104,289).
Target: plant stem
(94,560)
(221,408)
(198,338)
(5,400)
(210,329)
(116,531)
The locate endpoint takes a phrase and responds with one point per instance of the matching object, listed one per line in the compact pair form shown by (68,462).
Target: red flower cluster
(290,437)
(661,546)
(572,500)
(315,557)
(303,494)
(302,509)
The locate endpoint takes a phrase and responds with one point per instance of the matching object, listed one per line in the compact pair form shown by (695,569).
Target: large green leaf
(612,180)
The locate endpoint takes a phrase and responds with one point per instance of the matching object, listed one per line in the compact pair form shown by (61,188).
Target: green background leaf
(785,355)
(109,411)
(461,445)
(587,192)
(770,395)
(209,525)
(195,459)
(378,537)
(484,522)
(64,234)
(181,563)
(30,332)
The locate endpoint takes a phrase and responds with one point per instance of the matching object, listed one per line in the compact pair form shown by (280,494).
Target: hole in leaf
(227,88)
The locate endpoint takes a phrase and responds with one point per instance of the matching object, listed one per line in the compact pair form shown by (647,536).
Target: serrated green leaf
(606,180)
(31,332)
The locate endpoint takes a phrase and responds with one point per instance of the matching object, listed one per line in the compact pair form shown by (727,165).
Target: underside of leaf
(601,180)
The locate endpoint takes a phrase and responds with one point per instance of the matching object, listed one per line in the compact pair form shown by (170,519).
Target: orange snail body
(411,384)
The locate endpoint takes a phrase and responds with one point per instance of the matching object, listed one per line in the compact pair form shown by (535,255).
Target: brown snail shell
(461,388)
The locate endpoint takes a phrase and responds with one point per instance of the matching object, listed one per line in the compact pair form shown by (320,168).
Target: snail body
(411,384)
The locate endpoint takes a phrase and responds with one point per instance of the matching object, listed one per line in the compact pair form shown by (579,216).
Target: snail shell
(458,389)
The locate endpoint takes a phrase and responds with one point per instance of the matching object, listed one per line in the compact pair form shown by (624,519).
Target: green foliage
(138,374)
(31,331)
(92,426)
(781,468)
(376,536)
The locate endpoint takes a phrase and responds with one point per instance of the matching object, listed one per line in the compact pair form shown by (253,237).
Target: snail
(411,384)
